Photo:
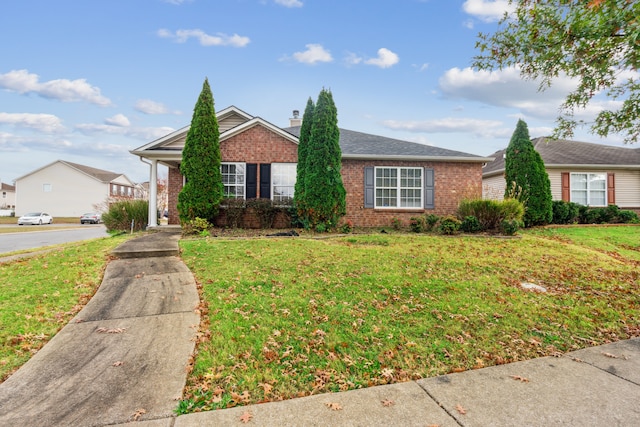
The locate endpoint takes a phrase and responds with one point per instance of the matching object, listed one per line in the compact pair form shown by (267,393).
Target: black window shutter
(369,187)
(251,181)
(265,181)
(429,189)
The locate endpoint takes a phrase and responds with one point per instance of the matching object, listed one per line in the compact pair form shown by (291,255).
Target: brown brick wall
(453,181)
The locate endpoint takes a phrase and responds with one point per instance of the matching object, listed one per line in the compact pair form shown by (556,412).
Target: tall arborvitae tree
(527,179)
(203,190)
(303,144)
(325,196)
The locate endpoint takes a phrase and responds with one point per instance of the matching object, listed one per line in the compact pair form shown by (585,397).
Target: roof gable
(95,173)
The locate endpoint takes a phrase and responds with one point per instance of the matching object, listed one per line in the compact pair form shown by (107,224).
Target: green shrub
(196,226)
(565,212)
(347,227)
(597,216)
(234,210)
(127,214)
(449,225)
(265,210)
(396,224)
(470,224)
(417,224)
(431,220)
(509,227)
(627,217)
(490,213)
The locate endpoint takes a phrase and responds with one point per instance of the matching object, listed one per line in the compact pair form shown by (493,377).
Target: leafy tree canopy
(596,42)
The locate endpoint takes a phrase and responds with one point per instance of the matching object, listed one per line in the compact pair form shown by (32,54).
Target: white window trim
(588,190)
(244,184)
(398,188)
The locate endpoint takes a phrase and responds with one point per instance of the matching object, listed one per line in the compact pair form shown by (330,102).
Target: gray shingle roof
(356,144)
(99,174)
(563,152)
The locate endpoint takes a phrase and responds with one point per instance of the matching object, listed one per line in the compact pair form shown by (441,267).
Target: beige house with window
(66,189)
(581,172)
(7,199)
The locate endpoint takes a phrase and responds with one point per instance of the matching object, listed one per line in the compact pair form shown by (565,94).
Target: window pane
(233,179)
(597,198)
(578,181)
(283,181)
(579,196)
(597,181)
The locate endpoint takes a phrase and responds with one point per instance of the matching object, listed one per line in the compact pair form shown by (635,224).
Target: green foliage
(347,227)
(430,221)
(509,227)
(449,225)
(628,217)
(591,42)
(299,194)
(121,214)
(196,226)
(265,210)
(565,212)
(491,213)
(417,224)
(470,224)
(203,190)
(234,210)
(524,169)
(396,224)
(324,194)
(609,215)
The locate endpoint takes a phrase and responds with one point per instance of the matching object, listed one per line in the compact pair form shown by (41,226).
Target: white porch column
(153,195)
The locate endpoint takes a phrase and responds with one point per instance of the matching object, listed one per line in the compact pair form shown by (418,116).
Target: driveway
(37,236)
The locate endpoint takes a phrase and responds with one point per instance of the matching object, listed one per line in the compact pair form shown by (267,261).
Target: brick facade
(453,181)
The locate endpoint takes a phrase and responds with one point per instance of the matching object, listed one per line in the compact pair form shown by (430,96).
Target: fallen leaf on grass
(110,330)
(387,402)
(139,413)
(519,378)
(118,363)
(460,409)
(334,406)
(613,356)
(246,417)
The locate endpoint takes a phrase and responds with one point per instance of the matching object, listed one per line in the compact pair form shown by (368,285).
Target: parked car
(35,218)
(91,218)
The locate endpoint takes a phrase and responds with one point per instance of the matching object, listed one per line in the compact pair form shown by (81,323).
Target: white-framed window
(283,181)
(399,187)
(589,189)
(4,194)
(233,179)
(46,188)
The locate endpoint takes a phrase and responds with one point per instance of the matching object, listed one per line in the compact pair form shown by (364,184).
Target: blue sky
(87,81)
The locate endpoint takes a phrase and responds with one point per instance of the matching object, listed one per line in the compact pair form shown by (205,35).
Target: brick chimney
(296,120)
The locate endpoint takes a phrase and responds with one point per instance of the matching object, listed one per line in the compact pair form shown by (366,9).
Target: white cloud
(220,39)
(176,2)
(64,90)
(385,59)
(46,123)
(421,67)
(487,10)
(118,120)
(481,128)
(148,106)
(315,53)
(289,3)
(143,133)
(506,88)
(352,59)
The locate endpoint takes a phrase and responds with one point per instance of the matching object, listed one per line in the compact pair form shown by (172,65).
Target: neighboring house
(581,172)
(69,189)
(384,178)
(7,196)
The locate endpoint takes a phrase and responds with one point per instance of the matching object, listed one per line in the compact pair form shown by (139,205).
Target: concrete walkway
(124,358)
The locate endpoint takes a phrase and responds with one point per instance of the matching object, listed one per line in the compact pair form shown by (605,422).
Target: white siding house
(581,172)
(66,189)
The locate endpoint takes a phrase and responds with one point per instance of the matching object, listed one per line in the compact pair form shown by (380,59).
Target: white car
(35,218)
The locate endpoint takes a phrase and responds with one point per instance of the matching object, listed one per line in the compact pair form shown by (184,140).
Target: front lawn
(292,317)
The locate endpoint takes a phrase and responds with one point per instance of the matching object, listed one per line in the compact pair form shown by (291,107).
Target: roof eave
(591,166)
(417,158)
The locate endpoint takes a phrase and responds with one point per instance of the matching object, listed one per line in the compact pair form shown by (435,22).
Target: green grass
(39,295)
(294,317)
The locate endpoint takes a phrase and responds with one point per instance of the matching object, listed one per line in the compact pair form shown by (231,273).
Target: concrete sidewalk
(124,358)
